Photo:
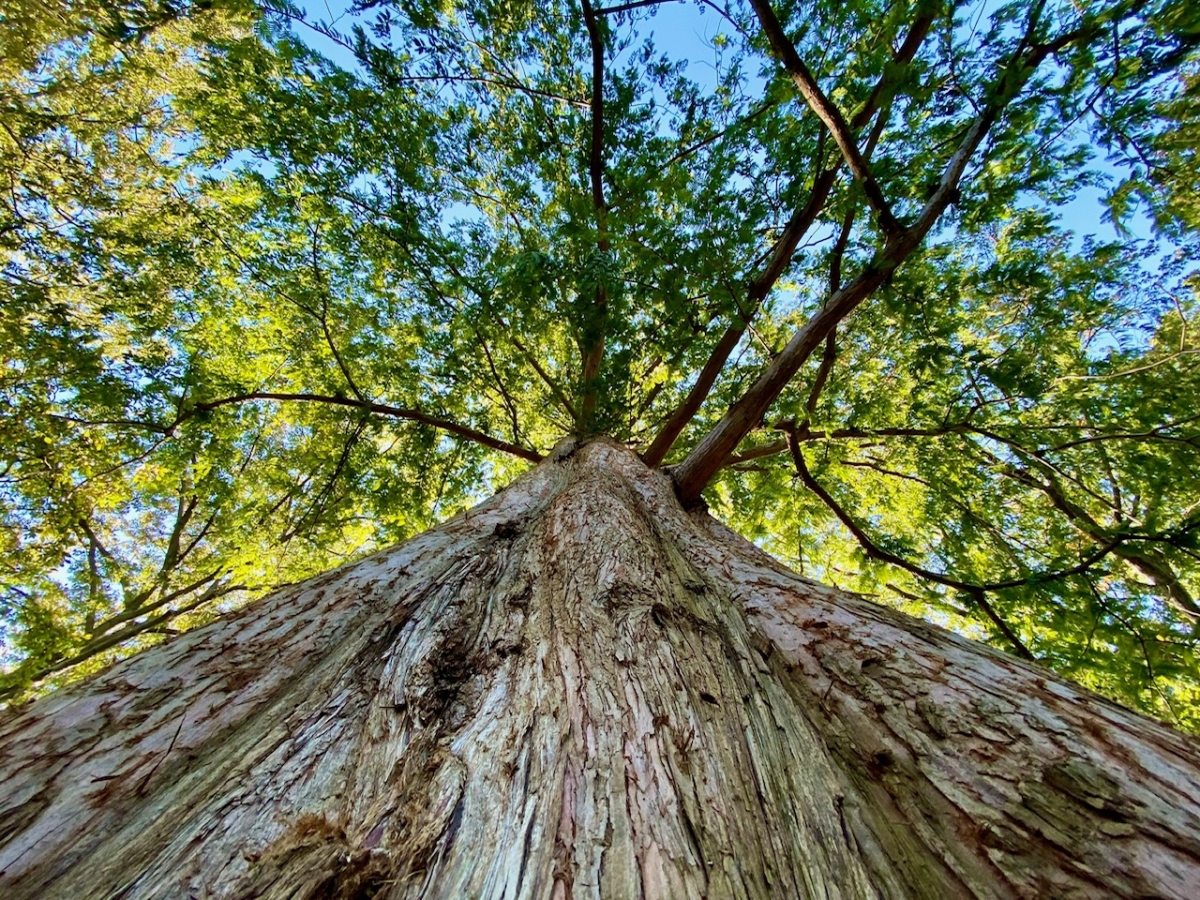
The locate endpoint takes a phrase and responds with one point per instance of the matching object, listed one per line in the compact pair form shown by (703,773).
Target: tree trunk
(578,689)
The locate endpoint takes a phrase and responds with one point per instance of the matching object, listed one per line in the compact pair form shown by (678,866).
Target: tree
(269,309)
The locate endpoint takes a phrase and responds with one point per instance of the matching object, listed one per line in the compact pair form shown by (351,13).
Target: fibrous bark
(578,689)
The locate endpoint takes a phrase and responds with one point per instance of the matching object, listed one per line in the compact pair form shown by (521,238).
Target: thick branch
(747,413)
(596,154)
(665,439)
(593,353)
(781,255)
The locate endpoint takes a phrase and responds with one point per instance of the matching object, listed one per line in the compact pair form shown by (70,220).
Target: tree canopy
(281,287)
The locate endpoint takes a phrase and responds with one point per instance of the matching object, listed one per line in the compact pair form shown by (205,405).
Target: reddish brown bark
(578,689)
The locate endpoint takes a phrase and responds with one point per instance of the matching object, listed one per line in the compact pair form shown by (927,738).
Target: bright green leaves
(98,262)
(140,286)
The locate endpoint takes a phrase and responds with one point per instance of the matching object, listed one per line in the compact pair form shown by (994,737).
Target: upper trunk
(579,689)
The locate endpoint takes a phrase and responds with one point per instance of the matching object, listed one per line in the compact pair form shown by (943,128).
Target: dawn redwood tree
(281,293)
(578,688)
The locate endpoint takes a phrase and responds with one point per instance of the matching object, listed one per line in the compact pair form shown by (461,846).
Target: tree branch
(829,357)
(319,503)
(1150,563)
(505,397)
(413,415)
(103,642)
(635,4)
(593,352)
(876,552)
(323,316)
(828,113)
(907,52)
(747,413)
(700,145)
(861,536)
(781,255)
(550,383)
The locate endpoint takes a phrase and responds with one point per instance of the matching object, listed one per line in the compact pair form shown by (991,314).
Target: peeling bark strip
(577,689)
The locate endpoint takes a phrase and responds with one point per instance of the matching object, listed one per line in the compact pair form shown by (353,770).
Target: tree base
(578,689)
